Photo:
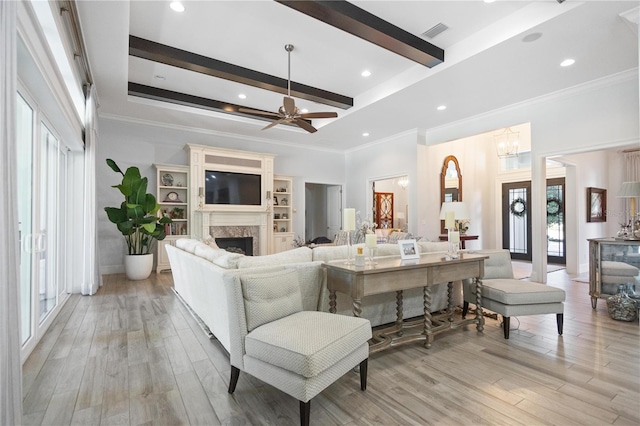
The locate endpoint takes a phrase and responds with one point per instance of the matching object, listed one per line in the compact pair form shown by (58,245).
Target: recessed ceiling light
(365,134)
(242,96)
(567,62)
(177,6)
(304,110)
(489,1)
(366,73)
(442,108)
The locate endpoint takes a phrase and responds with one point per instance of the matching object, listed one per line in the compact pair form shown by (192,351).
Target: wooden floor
(133,355)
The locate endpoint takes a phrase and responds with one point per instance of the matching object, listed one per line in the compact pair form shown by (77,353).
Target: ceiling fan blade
(319,115)
(257,111)
(289,105)
(275,123)
(308,127)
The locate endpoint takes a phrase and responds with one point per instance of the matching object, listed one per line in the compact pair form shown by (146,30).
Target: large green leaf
(130,181)
(117,215)
(114,166)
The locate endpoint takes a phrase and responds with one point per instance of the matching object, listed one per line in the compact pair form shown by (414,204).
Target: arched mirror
(450,183)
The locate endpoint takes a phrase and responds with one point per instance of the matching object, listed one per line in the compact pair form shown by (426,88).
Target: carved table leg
(357,309)
(399,310)
(450,300)
(332,301)
(479,315)
(427,317)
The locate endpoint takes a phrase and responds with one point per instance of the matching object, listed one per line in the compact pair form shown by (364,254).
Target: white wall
(598,169)
(143,144)
(392,157)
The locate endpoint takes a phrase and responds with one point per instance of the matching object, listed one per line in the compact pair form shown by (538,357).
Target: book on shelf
(175,228)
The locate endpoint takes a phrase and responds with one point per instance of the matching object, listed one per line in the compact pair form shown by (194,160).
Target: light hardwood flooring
(132,354)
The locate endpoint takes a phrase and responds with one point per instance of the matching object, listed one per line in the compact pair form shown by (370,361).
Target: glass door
(556,241)
(516,220)
(42,199)
(24,146)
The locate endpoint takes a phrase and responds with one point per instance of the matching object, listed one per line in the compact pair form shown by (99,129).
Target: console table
(463,238)
(392,274)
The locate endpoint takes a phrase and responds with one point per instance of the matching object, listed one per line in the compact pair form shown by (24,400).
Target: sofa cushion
(308,342)
(517,292)
(270,296)
(188,244)
(610,267)
(297,255)
(228,260)
(206,252)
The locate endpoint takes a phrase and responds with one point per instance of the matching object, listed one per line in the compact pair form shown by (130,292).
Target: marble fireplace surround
(234,224)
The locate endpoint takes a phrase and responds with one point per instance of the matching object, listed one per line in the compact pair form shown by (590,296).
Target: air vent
(435,30)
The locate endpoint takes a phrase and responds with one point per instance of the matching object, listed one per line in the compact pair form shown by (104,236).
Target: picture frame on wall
(596,205)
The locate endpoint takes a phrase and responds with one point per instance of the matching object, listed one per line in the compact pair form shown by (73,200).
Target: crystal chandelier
(507,143)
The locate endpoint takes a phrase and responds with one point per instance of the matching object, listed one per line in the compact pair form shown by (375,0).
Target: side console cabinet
(612,262)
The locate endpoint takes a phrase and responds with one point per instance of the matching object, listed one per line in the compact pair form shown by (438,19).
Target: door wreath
(518,207)
(554,207)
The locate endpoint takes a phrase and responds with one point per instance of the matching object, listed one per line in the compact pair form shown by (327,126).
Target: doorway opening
(323,212)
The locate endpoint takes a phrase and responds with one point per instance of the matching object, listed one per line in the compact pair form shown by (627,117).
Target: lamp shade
(629,190)
(459,209)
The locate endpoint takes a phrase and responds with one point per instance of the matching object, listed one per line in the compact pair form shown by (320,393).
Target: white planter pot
(138,266)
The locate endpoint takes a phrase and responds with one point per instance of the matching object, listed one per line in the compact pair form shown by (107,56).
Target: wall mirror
(450,183)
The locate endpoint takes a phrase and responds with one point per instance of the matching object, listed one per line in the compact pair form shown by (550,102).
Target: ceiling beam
(347,17)
(178,98)
(168,55)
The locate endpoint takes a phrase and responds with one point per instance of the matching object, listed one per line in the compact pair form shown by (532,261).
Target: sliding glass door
(42,199)
(24,133)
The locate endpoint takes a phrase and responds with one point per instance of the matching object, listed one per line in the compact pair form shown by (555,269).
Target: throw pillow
(270,296)
(211,242)
(394,237)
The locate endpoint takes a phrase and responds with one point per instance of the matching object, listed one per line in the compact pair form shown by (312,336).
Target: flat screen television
(241,189)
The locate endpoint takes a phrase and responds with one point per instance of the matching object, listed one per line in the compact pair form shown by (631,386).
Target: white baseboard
(111,269)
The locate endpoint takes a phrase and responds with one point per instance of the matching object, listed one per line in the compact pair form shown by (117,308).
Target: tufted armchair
(298,352)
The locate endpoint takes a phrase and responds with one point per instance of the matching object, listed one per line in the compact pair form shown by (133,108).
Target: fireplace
(243,245)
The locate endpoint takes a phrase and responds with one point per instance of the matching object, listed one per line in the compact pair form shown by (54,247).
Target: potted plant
(137,220)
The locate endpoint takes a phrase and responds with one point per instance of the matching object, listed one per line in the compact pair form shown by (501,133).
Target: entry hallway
(132,354)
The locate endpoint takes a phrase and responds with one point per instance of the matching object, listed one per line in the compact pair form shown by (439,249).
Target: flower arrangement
(463,226)
(363,227)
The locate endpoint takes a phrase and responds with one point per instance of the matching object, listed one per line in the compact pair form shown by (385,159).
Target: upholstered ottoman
(504,295)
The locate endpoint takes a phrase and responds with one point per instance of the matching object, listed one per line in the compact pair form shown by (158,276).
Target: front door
(516,219)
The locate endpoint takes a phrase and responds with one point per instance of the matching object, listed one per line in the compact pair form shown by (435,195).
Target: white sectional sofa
(200,272)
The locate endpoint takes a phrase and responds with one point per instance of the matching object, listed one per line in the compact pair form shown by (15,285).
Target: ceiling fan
(288,113)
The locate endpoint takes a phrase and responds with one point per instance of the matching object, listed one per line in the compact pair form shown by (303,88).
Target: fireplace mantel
(203,221)
(205,216)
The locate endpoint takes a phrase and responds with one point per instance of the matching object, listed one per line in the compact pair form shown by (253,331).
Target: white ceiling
(487,64)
